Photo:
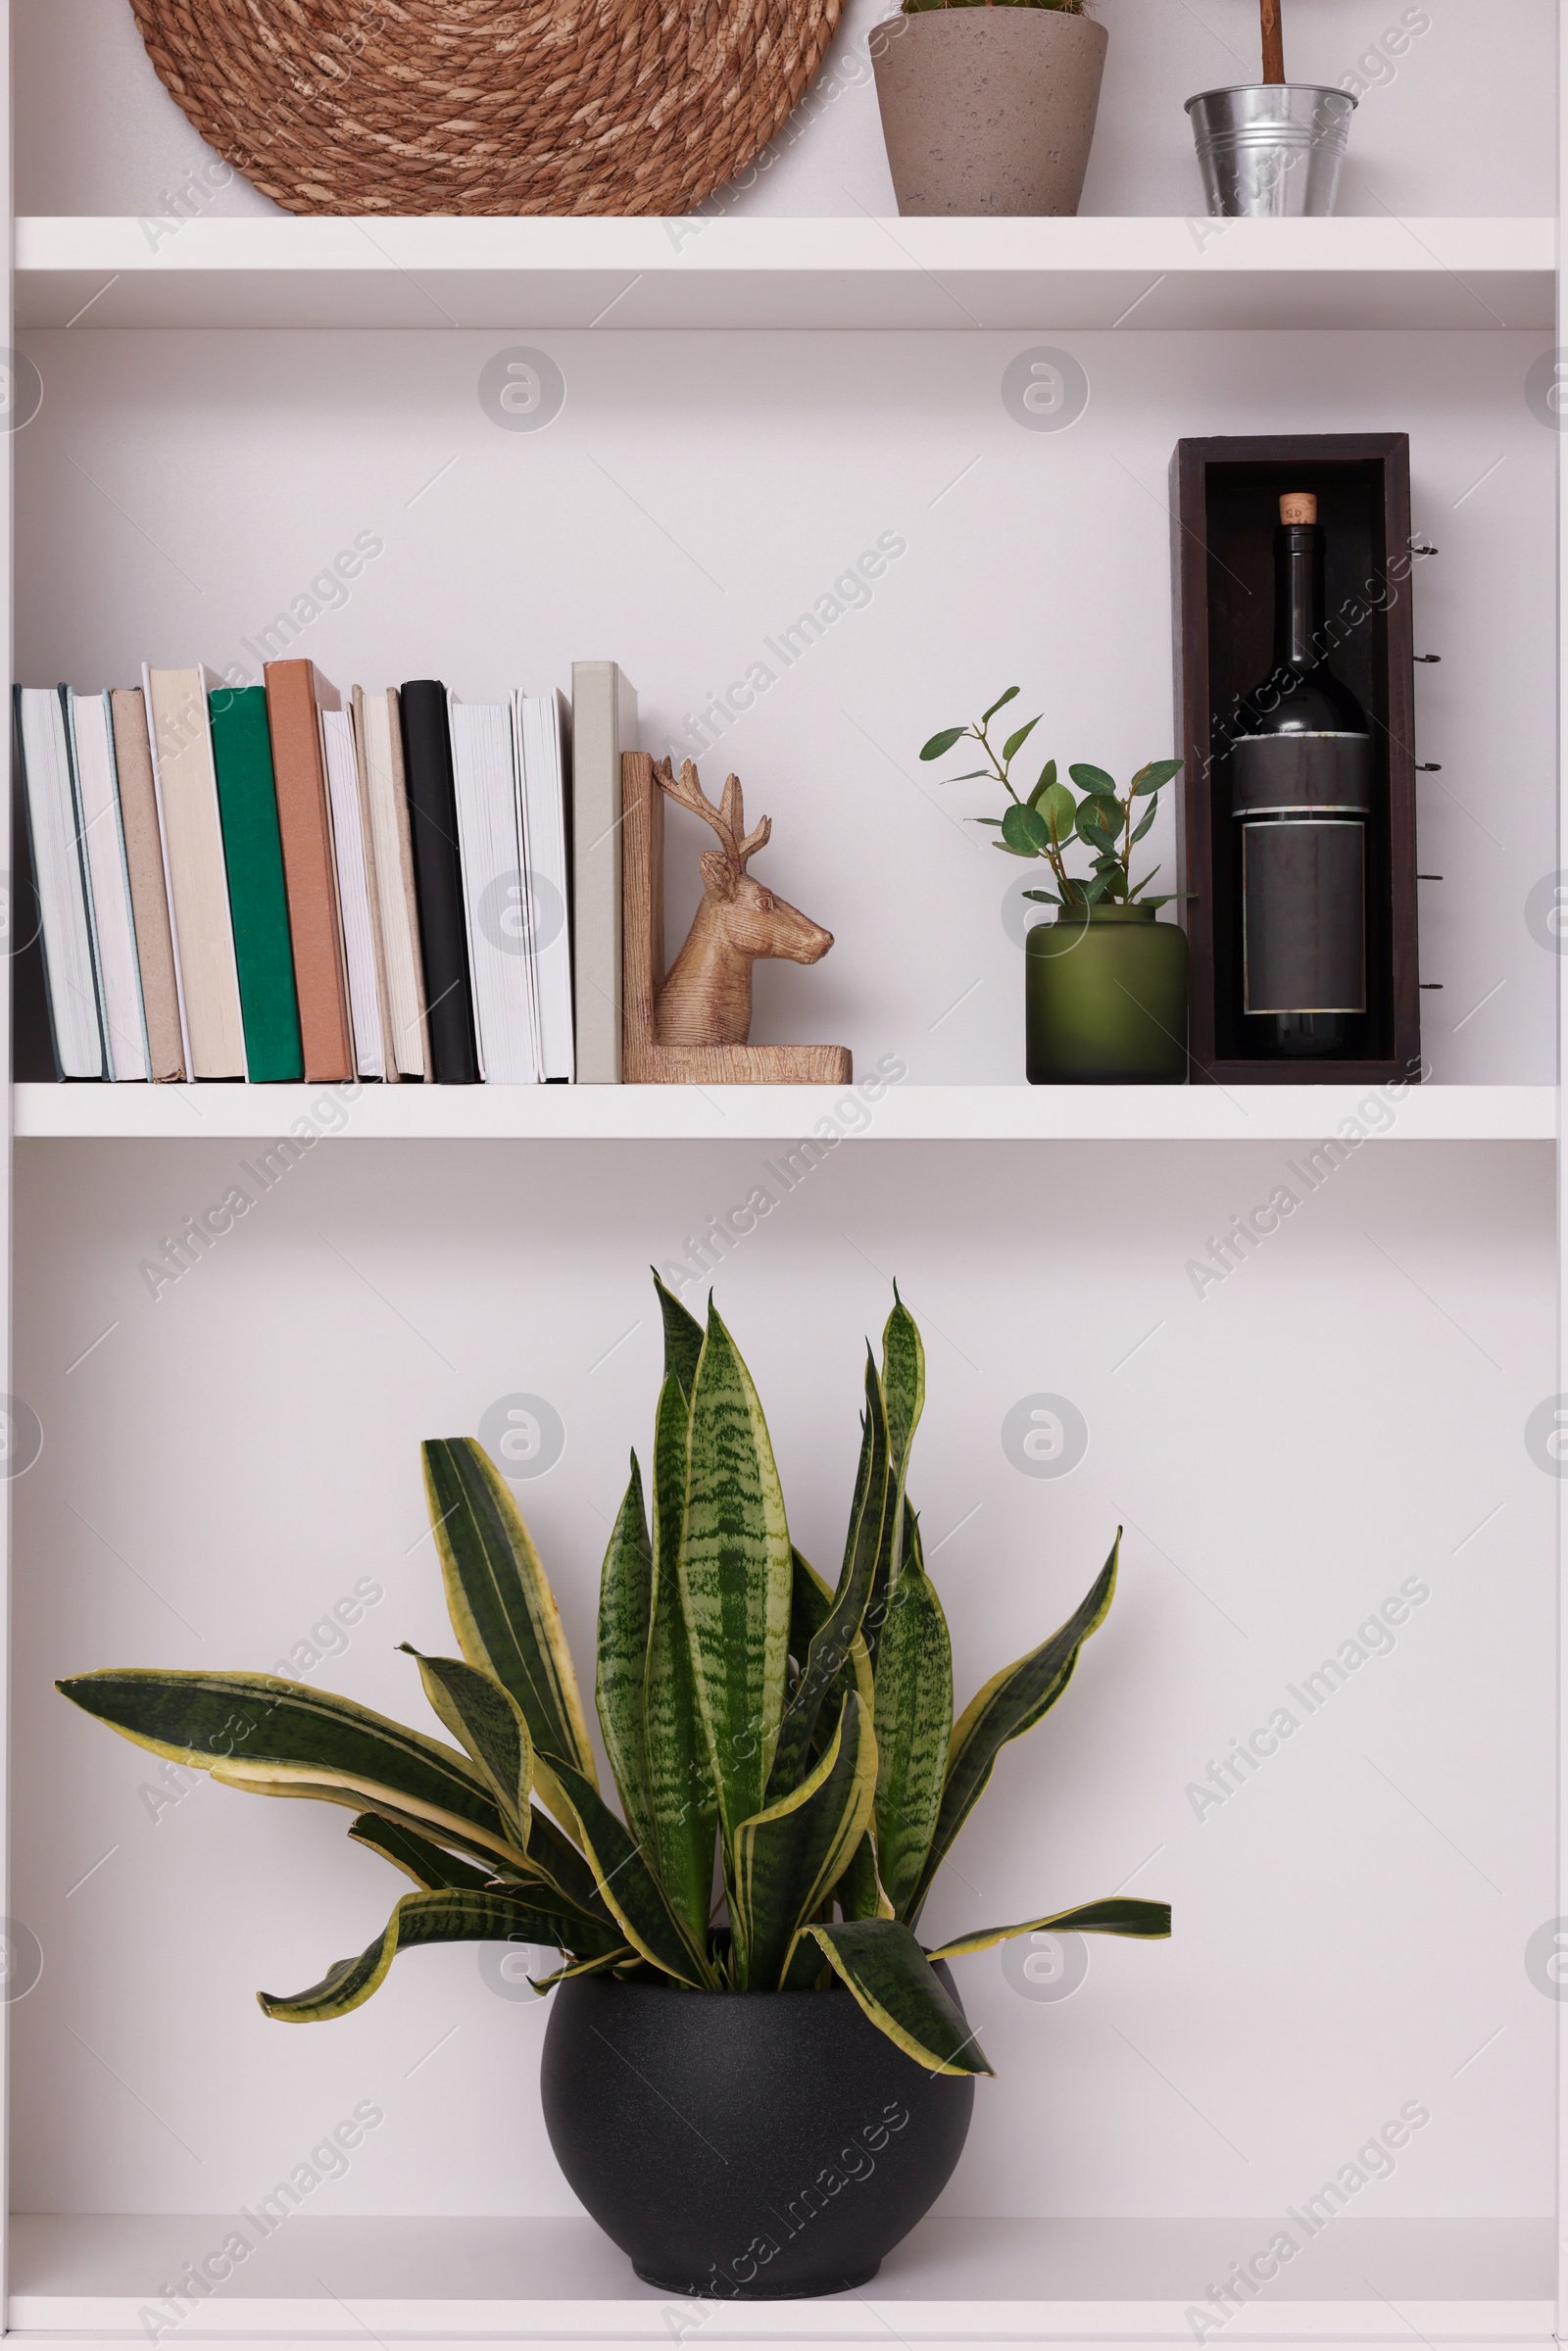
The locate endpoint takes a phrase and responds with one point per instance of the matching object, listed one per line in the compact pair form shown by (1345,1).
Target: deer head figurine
(707,999)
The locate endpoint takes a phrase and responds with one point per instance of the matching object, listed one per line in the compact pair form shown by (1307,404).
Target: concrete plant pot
(988,109)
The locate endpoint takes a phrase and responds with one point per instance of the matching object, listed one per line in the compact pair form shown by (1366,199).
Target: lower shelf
(954,2282)
(873,1110)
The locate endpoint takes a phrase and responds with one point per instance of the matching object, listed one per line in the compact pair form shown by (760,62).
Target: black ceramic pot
(749,2145)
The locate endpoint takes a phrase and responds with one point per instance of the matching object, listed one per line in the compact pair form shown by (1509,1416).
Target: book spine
(438,882)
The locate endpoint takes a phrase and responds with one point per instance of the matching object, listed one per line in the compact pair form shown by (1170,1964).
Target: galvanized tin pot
(1271,150)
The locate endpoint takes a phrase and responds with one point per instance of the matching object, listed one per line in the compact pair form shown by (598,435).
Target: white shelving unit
(739,1113)
(1478,275)
(1287,1433)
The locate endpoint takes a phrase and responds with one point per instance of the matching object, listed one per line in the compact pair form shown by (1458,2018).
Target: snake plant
(803,1736)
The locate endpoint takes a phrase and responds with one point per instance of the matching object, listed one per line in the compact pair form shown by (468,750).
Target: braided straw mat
(487,106)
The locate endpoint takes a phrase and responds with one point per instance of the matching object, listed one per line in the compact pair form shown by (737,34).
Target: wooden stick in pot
(1273,42)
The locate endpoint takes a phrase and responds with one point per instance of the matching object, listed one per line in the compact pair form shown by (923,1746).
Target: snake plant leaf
(501,1604)
(600,1965)
(736,1577)
(680,1782)
(416,1856)
(903,1383)
(450,1915)
(1011,1703)
(313,1783)
(206,1720)
(834,1633)
(1120,1915)
(488,1722)
(625,1606)
(627,1884)
(555,1860)
(914,1726)
(792,1854)
(892,1979)
(860,1890)
(683,1339)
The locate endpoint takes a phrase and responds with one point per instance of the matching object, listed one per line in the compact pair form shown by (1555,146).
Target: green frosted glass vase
(1106,999)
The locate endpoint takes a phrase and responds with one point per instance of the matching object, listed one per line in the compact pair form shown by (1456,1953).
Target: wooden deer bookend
(691,1026)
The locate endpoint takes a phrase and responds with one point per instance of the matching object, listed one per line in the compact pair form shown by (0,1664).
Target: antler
(727,820)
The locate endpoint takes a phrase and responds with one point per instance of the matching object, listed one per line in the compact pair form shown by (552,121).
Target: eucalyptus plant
(803,1736)
(1049,821)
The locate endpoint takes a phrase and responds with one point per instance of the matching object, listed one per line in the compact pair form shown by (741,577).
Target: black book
(438,881)
(32,1037)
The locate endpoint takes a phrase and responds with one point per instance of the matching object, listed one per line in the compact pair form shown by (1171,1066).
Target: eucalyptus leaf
(1060,810)
(1144,822)
(1000,703)
(1016,743)
(940,745)
(1155,775)
(1095,780)
(1024,832)
(1046,898)
(1048,776)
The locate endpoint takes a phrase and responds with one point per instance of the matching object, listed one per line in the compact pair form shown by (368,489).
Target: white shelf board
(954,2280)
(782,1114)
(1073,275)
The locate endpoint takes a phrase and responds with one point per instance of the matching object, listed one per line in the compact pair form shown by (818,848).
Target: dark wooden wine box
(1225,497)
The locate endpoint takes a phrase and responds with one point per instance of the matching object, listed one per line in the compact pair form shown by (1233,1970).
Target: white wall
(1459,121)
(696,494)
(1341,1414)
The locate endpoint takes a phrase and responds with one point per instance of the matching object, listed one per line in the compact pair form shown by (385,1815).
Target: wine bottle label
(1303,916)
(1276,775)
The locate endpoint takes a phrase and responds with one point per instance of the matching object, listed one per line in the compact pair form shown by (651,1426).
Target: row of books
(274,883)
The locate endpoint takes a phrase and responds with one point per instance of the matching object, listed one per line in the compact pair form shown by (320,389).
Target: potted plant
(757,2092)
(1105,984)
(989,106)
(1271,149)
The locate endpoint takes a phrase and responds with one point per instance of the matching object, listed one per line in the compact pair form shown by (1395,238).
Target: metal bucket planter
(1271,151)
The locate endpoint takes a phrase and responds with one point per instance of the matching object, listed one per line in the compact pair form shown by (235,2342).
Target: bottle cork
(1298,505)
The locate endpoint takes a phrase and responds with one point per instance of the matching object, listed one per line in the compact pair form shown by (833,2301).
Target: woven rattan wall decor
(484,105)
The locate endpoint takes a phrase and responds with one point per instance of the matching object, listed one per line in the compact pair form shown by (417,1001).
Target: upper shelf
(1076,274)
(788,1114)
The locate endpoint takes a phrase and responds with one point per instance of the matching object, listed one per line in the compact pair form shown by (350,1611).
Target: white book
(114,925)
(59,871)
(490,849)
(353,892)
(542,733)
(524,921)
(392,845)
(201,927)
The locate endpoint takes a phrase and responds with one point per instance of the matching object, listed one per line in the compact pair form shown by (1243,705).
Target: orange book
(296,694)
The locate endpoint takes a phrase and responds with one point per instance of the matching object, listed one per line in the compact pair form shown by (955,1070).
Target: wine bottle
(1302,777)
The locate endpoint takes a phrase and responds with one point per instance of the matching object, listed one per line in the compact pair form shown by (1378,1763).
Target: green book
(258,899)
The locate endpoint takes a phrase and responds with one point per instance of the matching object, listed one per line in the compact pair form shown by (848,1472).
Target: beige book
(604,725)
(149,897)
(198,877)
(369,849)
(388,830)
